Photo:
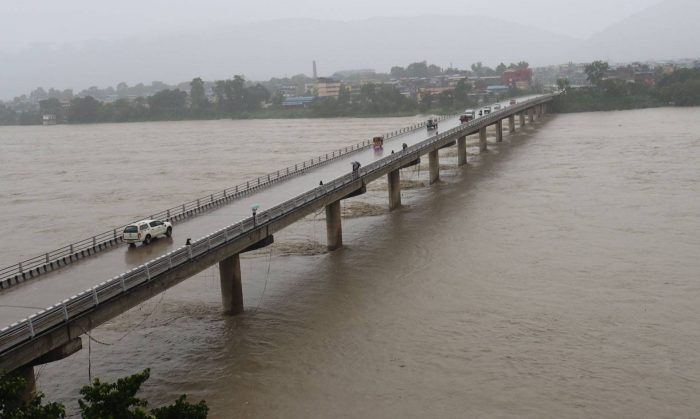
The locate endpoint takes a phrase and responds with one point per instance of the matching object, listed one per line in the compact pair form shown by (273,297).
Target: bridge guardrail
(84,301)
(65,255)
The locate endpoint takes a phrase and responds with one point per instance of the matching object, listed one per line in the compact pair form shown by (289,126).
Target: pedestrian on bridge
(355,168)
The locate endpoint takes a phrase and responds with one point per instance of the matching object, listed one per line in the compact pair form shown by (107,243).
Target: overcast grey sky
(25,22)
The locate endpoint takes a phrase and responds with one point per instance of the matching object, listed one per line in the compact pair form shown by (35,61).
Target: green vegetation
(99,401)
(609,96)
(13,407)
(680,88)
(419,87)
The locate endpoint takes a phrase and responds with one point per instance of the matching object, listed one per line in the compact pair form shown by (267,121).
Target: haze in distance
(83,43)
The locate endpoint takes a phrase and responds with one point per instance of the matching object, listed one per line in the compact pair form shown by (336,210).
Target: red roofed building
(519,78)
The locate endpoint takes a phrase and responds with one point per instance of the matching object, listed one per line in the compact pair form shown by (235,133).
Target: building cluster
(301,91)
(415,88)
(648,73)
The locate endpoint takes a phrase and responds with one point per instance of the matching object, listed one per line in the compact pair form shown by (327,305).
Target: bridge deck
(19,302)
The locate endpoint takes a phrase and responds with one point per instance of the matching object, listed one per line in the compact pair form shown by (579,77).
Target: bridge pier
(462,150)
(334,228)
(230,277)
(231,287)
(434,166)
(482,139)
(26,372)
(521,115)
(531,115)
(511,124)
(499,131)
(394,180)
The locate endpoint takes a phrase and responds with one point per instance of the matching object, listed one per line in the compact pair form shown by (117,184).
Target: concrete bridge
(54,333)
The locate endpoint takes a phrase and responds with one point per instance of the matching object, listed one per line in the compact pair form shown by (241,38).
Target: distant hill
(665,31)
(287,47)
(279,48)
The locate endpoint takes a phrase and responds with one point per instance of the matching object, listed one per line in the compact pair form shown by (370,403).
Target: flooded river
(556,276)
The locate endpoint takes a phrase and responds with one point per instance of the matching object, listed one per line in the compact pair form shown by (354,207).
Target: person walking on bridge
(355,169)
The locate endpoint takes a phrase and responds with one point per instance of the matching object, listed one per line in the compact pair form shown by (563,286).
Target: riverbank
(597,100)
(680,88)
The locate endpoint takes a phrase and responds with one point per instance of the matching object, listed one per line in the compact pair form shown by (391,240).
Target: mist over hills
(287,47)
(664,31)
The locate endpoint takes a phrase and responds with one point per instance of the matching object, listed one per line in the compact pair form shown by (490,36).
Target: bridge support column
(544,108)
(499,131)
(522,119)
(482,139)
(334,227)
(27,373)
(394,180)
(462,151)
(434,166)
(531,115)
(511,124)
(231,288)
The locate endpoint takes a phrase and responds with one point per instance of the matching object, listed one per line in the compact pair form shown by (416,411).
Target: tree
(8,116)
(254,96)
(595,71)
(114,400)
(461,93)
(182,409)
(478,68)
(397,72)
(38,94)
(50,106)
(118,401)
(198,96)
(84,110)
(501,68)
(446,100)
(417,69)
(12,406)
(563,84)
(426,102)
(168,104)
(434,70)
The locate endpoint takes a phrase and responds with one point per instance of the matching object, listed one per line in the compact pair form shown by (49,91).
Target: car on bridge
(432,123)
(497,107)
(146,230)
(486,110)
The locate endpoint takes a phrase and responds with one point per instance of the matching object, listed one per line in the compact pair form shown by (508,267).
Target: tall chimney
(315,75)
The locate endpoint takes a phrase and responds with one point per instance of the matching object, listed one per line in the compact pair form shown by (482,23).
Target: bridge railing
(62,256)
(54,316)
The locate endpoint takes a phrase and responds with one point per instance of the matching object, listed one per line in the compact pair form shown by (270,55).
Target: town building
(327,87)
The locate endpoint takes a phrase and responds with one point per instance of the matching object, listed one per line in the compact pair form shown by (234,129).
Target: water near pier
(557,276)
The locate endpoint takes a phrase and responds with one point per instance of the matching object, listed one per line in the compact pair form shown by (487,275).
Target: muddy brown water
(556,276)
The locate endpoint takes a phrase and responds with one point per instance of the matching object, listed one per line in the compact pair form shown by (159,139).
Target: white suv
(145,230)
